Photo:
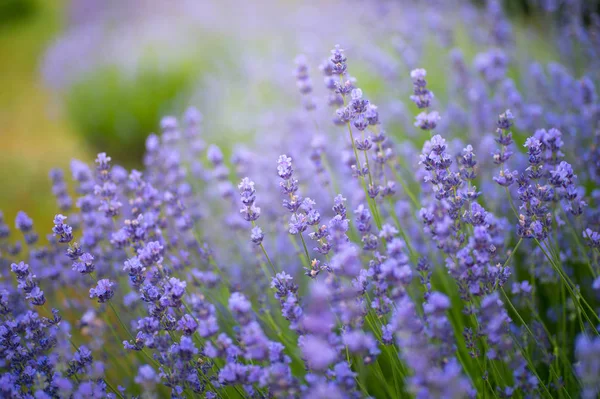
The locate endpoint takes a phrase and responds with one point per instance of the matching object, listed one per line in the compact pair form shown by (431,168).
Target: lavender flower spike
(103,290)
(247,193)
(62,230)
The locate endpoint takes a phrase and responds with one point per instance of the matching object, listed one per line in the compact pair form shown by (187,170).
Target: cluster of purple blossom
(370,269)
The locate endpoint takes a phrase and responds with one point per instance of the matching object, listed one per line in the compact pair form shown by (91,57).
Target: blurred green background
(86,100)
(34,136)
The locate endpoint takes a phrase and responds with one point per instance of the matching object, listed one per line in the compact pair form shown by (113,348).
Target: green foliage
(12,11)
(115,110)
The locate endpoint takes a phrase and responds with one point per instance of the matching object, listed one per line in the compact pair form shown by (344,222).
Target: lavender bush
(339,261)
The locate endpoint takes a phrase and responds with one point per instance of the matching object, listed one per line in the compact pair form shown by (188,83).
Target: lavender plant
(349,264)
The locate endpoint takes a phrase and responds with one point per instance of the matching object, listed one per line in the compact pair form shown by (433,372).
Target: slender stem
(372,203)
(129,333)
(516,312)
(408,192)
(305,249)
(513,251)
(262,247)
(568,283)
(413,255)
(510,201)
(580,245)
(323,157)
(117,392)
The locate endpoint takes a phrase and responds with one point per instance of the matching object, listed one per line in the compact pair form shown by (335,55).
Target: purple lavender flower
(421,97)
(339,206)
(257,235)
(491,65)
(103,165)
(587,351)
(27,282)
(21,269)
(298,224)
(303,82)
(240,307)
(36,295)
(23,222)
(357,341)
(347,260)
(85,264)
(338,60)
(287,295)
(318,352)
(147,377)
(521,288)
(185,349)
(103,290)
(61,229)
(563,179)
(59,189)
(106,189)
(234,373)
(251,213)
(136,270)
(284,167)
(214,155)
(592,238)
(187,325)
(174,289)
(427,120)
(433,372)
(151,253)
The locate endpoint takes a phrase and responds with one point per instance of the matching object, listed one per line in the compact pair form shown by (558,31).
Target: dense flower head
(257,235)
(588,365)
(491,65)
(23,222)
(103,161)
(427,120)
(592,238)
(284,167)
(421,96)
(318,352)
(214,155)
(174,289)
(147,377)
(61,229)
(85,263)
(60,190)
(338,61)
(303,82)
(151,253)
(103,290)
(135,269)
(248,197)
(106,189)
(239,305)
(505,120)
(21,269)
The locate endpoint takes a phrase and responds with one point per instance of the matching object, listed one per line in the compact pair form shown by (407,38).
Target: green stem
(113,389)
(305,248)
(129,333)
(568,283)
